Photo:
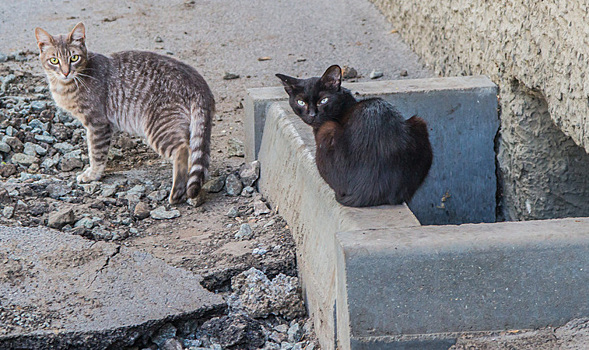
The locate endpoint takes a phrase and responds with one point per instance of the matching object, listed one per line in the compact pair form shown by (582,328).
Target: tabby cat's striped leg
(98,138)
(180,158)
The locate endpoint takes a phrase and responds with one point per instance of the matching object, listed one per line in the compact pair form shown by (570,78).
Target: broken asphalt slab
(64,291)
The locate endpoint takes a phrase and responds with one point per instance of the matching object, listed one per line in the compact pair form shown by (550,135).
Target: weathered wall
(537,53)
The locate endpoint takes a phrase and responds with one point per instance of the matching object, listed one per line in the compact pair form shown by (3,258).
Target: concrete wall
(537,53)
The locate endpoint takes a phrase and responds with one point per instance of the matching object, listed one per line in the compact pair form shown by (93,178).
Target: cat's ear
(289,82)
(332,78)
(44,39)
(77,34)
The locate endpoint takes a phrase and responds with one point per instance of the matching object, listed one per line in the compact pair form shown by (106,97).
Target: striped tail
(201,115)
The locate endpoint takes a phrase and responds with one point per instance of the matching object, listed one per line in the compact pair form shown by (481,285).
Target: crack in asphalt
(106,263)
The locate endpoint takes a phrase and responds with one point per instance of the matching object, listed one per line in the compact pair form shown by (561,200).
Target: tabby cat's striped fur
(142,93)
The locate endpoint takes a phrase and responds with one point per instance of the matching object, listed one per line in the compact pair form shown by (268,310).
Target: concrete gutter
(375,278)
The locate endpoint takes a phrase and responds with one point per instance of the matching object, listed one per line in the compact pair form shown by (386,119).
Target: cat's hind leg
(98,139)
(180,159)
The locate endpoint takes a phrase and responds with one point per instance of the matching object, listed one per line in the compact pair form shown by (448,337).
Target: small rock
(5,196)
(24,159)
(38,208)
(61,218)
(257,296)
(37,124)
(404,73)
(158,196)
(3,57)
(295,333)
(282,328)
(40,150)
(91,187)
(247,191)
(236,148)
(166,332)
(58,189)
(158,39)
(45,138)
(30,149)
(137,190)
(38,106)
(375,74)
(233,212)
(172,344)
(349,72)
(259,251)
(15,144)
(260,208)
(8,211)
(249,173)
(101,234)
(277,337)
(4,147)
(215,184)
(85,222)
(49,163)
(7,170)
(142,210)
(160,213)
(233,185)
(63,147)
(245,232)
(230,76)
(234,332)
(115,153)
(70,161)
(108,190)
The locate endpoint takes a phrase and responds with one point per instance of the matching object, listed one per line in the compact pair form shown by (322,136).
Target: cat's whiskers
(86,76)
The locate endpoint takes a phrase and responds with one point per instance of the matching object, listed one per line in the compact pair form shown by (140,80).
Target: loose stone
(233,185)
(375,74)
(249,173)
(160,213)
(245,232)
(61,218)
(215,184)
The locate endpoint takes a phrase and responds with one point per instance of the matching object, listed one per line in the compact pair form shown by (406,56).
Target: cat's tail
(201,114)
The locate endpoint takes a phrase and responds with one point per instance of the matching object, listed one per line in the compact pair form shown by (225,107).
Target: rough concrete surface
(537,55)
(63,291)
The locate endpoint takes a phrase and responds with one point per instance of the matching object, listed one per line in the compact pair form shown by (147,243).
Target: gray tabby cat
(143,93)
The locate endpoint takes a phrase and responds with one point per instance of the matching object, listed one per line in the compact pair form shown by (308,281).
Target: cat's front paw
(88,175)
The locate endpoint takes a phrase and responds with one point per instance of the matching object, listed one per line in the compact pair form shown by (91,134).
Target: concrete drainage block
(397,277)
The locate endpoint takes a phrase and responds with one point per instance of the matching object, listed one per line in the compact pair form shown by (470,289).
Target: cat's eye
(54,60)
(324,101)
(301,103)
(75,58)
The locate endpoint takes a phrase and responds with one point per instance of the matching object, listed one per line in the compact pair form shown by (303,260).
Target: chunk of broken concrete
(64,291)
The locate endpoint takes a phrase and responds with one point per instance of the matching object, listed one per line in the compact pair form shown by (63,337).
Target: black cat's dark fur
(366,151)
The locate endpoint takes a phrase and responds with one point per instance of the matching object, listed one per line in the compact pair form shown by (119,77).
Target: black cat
(366,151)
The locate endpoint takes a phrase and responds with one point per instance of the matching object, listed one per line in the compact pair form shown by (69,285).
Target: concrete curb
(374,278)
